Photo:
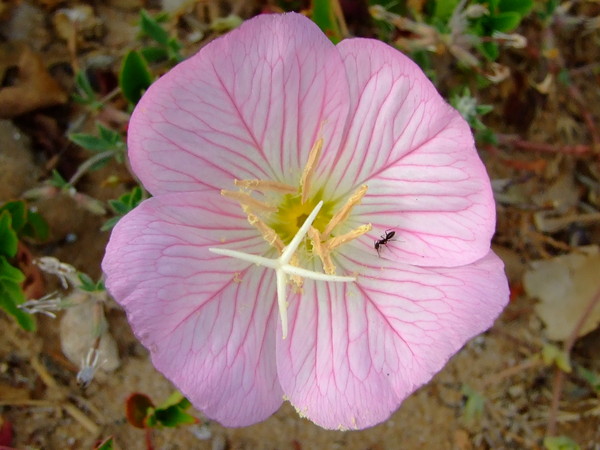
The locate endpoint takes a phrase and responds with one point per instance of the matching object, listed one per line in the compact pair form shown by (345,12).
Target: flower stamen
(265,185)
(309,169)
(244,199)
(282,266)
(335,242)
(344,212)
(268,233)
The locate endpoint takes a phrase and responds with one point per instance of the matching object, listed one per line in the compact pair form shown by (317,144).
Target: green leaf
(85,93)
(8,237)
(89,141)
(58,181)
(560,443)
(152,28)
(18,213)
(592,378)
(36,227)
(173,50)
(175,399)
(154,54)
(110,223)
(11,294)
(137,408)
(173,416)
(172,413)
(87,284)
(135,76)
(523,7)
(492,4)
(106,141)
(505,21)
(490,50)
(106,444)
(444,9)
(109,136)
(551,354)
(323,15)
(123,205)
(474,404)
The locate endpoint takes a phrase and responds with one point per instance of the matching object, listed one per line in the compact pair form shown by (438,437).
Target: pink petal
(417,156)
(209,321)
(355,351)
(249,105)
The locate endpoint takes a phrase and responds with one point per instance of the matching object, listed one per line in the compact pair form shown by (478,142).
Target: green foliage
(8,235)
(106,139)
(545,10)
(472,112)
(106,444)
(123,205)
(135,76)
(16,221)
(474,404)
(323,14)
(58,181)
(11,294)
(87,284)
(85,94)
(107,144)
(168,48)
(171,413)
(442,10)
(504,16)
(560,443)
(141,412)
(592,378)
(552,355)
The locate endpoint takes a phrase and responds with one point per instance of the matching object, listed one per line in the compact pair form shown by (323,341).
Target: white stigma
(283,267)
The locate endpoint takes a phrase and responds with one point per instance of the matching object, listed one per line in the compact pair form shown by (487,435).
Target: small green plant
(471,31)
(474,405)
(468,107)
(552,355)
(16,222)
(326,15)
(106,444)
(560,443)
(123,205)
(141,413)
(165,47)
(107,144)
(85,93)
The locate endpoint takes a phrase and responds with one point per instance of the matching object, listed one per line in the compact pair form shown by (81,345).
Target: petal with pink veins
(351,359)
(208,321)
(417,156)
(249,105)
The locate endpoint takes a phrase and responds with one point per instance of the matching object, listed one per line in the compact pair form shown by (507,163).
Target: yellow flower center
(280,220)
(291,214)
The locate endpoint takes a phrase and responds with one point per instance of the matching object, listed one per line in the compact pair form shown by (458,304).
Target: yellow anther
(268,233)
(245,199)
(322,252)
(266,185)
(309,169)
(334,242)
(344,212)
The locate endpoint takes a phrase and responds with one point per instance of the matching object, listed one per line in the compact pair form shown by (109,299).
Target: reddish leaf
(136,407)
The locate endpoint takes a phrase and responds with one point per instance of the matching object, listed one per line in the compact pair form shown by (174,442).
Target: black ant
(385,238)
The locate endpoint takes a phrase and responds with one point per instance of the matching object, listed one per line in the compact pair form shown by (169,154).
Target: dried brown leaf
(32,87)
(565,286)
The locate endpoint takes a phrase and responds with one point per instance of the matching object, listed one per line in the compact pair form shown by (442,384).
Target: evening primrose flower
(276,162)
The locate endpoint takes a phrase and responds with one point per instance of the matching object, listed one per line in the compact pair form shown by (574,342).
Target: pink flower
(356,130)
